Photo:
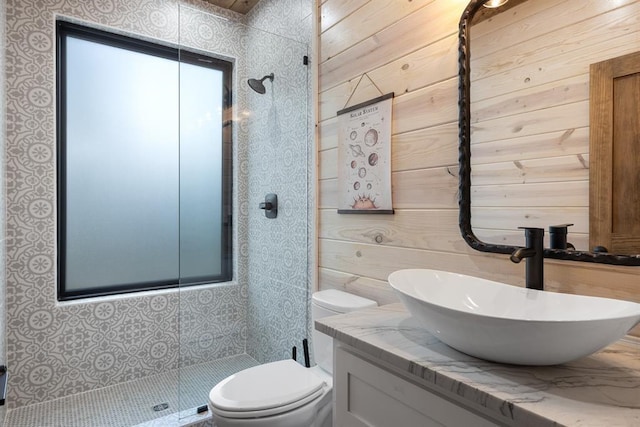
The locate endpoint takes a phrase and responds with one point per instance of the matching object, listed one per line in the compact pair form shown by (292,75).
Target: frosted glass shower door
(260,313)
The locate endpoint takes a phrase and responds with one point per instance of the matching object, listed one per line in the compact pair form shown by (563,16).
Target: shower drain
(161,407)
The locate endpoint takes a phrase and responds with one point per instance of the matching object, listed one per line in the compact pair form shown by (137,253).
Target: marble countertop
(600,390)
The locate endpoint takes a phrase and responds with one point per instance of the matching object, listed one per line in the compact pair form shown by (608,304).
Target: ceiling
(240,6)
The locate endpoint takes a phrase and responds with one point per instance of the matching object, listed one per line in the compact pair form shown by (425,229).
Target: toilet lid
(341,302)
(267,386)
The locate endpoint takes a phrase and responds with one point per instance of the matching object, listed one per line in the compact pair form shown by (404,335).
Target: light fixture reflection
(492,4)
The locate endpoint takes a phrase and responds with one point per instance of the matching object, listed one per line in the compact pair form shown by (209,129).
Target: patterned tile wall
(278,138)
(56,349)
(3,356)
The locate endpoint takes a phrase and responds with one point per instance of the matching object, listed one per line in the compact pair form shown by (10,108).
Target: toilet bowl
(285,393)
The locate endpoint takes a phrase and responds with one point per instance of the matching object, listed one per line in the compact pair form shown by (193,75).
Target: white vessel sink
(508,324)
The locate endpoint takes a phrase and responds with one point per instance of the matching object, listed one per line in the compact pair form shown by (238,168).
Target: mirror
(525,119)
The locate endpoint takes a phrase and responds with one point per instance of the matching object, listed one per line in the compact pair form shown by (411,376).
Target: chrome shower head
(257,85)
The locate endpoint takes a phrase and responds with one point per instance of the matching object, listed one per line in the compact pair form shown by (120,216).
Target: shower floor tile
(131,403)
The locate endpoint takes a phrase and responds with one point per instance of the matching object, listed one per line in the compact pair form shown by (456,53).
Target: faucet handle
(558,236)
(559,228)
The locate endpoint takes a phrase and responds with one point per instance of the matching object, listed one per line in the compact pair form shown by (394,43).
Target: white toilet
(285,393)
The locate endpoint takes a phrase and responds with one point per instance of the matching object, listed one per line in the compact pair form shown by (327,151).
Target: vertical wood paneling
(415,56)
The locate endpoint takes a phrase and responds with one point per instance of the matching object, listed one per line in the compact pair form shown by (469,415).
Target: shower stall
(150,357)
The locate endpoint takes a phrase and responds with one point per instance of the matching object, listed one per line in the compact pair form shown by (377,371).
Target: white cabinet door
(369,396)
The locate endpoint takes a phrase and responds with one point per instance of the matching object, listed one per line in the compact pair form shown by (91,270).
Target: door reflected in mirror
(529,73)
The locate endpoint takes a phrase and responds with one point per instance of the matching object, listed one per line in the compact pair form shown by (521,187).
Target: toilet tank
(329,303)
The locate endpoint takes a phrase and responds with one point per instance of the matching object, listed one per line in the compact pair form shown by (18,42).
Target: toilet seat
(266,390)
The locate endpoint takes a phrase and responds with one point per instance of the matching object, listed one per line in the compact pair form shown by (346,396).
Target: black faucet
(534,253)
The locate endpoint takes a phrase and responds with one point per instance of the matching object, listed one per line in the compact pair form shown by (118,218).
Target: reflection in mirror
(529,72)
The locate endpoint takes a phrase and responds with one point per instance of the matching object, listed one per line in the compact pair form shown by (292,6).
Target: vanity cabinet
(369,395)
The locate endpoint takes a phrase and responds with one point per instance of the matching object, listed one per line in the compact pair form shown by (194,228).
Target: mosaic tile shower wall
(56,349)
(279,162)
(3,355)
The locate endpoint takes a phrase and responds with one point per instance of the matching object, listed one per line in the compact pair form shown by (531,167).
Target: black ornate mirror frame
(464,159)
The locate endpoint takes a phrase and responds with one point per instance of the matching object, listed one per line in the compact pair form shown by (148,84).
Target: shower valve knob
(270,205)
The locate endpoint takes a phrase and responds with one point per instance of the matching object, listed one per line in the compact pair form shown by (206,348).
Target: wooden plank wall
(410,48)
